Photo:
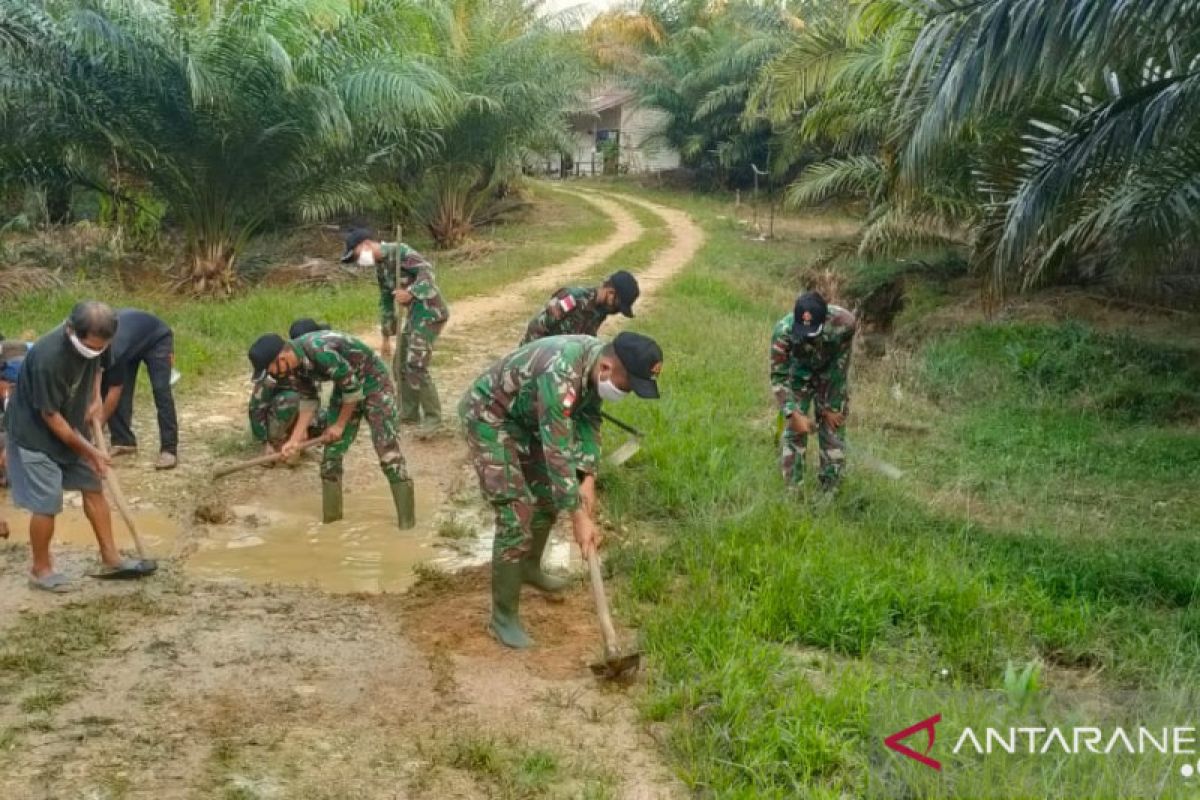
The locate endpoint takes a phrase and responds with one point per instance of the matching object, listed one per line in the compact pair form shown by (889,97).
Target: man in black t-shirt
(57,397)
(142,338)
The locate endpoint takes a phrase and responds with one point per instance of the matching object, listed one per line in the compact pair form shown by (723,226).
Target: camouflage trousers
(272,422)
(513,478)
(410,366)
(411,369)
(379,409)
(793,446)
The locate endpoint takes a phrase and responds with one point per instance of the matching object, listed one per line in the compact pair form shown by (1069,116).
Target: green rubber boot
(531,564)
(431,407)
(410,404)
(406,504)
(331,501)
(505,624)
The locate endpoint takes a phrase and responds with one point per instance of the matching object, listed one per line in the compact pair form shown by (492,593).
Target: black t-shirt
(137,332)
(54,377)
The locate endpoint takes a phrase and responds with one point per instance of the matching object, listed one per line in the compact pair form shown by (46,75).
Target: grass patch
(44,657)
(212,336)
(907,594)
(510,770)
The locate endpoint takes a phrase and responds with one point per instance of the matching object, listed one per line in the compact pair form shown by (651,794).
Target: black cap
(642,358)
(353,239)
(627,290)
(263,352)
(305,325)
(809,315)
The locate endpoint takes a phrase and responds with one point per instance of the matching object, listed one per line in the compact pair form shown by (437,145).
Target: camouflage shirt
(544,389)
(416,275)
(355,368)
(795,365)
(260,403)
(571,311)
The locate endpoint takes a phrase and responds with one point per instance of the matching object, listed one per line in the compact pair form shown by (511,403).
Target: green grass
(510,769)
(44,657)
(905,594)
(211,337)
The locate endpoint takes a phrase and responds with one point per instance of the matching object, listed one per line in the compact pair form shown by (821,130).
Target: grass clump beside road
(212,335)
(781,632)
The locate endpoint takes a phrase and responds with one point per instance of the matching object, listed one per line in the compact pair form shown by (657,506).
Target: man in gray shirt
(57,396)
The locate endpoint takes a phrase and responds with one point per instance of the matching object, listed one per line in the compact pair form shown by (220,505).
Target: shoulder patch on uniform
(567,303)
(568,401)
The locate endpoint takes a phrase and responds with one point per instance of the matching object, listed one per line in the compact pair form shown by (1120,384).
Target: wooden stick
(606,625)
(262,460)
(114,489)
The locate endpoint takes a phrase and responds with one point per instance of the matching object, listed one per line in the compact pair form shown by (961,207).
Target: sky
(589,8)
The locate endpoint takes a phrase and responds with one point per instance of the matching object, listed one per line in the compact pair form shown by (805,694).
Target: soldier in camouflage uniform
(532,422)
(810,364)
(576,310)
(406,279)
(362,390)
(275,405)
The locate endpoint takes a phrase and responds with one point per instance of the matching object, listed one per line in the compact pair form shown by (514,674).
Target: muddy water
(280,539)
(159,533)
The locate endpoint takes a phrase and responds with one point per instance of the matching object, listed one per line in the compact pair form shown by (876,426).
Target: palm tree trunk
(210,268)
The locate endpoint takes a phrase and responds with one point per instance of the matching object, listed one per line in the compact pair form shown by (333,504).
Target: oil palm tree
(1107,177)
(244,114)
(515,75)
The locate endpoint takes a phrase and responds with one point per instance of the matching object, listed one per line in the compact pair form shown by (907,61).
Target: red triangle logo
(926,725)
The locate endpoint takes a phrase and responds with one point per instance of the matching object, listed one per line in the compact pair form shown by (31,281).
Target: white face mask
(609,391)
(366,258)
(83,349)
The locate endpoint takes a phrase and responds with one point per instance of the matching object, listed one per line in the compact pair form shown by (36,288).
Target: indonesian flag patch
(568,401)
(567,304)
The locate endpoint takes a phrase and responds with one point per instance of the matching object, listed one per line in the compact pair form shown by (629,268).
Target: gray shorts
(38,481)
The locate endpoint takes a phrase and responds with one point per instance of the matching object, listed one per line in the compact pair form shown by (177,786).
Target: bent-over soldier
(810,367)
(363,390)
(532,422)
(275,405)
(406,279)
(578,310)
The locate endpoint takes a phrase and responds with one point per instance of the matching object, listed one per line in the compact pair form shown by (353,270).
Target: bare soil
(203,689)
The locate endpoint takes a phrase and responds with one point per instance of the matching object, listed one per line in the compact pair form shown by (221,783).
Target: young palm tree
(516,77)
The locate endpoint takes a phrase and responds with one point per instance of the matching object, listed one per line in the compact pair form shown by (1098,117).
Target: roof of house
(609,98)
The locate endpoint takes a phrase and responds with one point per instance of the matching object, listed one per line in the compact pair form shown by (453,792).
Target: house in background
(613,115)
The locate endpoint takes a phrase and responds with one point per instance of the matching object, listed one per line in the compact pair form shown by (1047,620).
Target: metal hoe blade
(625,452)
(615,666)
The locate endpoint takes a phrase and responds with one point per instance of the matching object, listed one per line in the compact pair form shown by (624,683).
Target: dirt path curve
(282,692)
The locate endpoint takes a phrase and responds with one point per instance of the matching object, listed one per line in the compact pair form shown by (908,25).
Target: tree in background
(515,78)
(1105,180)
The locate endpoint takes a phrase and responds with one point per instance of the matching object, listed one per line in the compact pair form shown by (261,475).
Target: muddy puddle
(159,532)
(281,539)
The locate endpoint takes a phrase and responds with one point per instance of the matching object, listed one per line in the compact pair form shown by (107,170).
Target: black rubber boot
(331,501)
(406,504)
(531,565)
(505,624)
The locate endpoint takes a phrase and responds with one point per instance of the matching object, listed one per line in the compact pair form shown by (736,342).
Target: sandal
(55,582)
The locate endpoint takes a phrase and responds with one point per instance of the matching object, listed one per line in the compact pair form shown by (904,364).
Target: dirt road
(183,687)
